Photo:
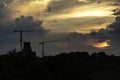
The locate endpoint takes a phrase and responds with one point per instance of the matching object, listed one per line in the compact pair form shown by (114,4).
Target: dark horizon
(26,65)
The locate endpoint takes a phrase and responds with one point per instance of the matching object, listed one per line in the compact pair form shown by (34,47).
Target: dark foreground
(70,66)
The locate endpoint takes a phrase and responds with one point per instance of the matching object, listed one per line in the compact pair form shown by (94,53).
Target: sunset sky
(80,25)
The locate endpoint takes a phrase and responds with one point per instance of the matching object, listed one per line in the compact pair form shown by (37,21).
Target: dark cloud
(27,23)
(114,4)
(115,26)
(112,33)
(116,11)
(85,42)
(6,1)
(22,23)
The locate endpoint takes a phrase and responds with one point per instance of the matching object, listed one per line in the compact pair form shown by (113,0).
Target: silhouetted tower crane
(21,35)
(43,43)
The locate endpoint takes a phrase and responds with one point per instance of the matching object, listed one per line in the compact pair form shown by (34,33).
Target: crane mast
(43,45)
(21,35)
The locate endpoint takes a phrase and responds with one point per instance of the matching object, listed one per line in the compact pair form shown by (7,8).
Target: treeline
(65,66)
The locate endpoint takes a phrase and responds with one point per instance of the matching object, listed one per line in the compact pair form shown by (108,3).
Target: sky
(79,25)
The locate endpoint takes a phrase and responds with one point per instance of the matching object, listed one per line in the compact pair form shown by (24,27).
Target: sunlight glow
(102,45)
(36,6)
(82,13)
(83,0)
(91,13)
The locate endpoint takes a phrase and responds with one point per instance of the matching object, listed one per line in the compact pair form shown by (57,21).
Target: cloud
(111,34)
(61,5)
(115,4)
(115,26)
(27,23)
(15,8)
(23,22)
(102,40)
(8,37)
(38,7)
(116,11)
(3,11)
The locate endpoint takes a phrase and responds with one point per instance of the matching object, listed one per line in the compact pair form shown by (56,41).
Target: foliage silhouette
(25,65)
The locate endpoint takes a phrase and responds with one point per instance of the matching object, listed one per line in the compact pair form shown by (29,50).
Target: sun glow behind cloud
(78,14)
(102,45)
(98,45)
(91,13)
(84,11)
(83,0)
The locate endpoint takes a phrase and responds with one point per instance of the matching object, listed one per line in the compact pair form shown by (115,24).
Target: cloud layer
(61,16)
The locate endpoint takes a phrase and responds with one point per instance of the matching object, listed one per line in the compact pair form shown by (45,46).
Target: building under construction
(27,51)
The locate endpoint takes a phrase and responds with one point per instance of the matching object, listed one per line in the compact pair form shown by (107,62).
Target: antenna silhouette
(74,35)
(21,35)
(43,43)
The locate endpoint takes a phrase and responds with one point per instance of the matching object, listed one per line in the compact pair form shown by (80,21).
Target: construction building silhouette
(27,51)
